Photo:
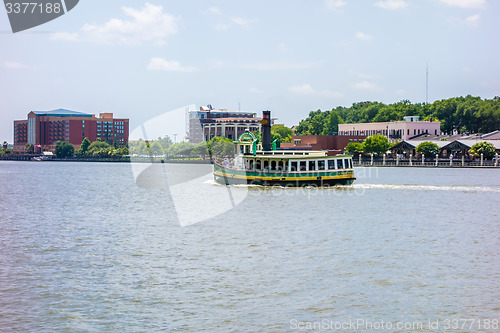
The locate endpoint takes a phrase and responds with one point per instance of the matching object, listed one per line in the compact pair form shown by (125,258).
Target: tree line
(99,149)
(463,114)
(217,146)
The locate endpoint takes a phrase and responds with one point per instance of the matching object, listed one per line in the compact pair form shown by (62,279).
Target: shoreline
(386,164)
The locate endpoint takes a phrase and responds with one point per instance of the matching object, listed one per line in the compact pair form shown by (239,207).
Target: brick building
(44,128)
(334,144)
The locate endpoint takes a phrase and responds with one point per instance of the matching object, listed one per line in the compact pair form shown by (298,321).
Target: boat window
(346,163)
(331,164)
(280,165)
(302,165)
(250,165)
(266,165)
(241,149)
(258,164)
(293,166)
(321,165)
(340,163)
(273,165)
(312,165)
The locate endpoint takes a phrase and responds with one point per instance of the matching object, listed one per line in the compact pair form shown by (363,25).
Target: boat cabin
(250,158)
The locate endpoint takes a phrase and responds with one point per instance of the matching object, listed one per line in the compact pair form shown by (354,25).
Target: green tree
(201,149)
(99,149)
(219,146)
(387,113)
(156,149)
(182,148)
(282,133)
(64,149)
(29,148)
(428,148)
(84,147)
(165,142)
(376,144)
(122,151)
(483,147)
(314,124)
(354,148)
(332,123)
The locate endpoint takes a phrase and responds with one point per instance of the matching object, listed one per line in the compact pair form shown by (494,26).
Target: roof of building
(492,136)
(448,144)
(62,113)
(237,120)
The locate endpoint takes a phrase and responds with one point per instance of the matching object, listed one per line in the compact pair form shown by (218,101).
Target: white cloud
(472,20)
(465,3)
(334,4)
(221,26)
(392,4)
(65,36)
(160,64)
(279,66)
(306,89)
(13,65)
(149,23)
(214,11)
(256,91)
(241,21)
(363,36)
(365,76)
(366,85)
(267,66)
(282,47)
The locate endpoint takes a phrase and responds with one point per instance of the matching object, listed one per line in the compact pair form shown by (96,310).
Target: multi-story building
(395,130)
(44,128)
(208,122)
(231,128)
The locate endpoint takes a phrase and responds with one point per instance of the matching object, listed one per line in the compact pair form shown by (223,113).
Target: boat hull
(229,176)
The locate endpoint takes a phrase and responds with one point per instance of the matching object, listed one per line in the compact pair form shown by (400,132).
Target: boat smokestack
(266,130)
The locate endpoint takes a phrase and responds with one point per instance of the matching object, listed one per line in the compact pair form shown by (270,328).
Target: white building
(395,130)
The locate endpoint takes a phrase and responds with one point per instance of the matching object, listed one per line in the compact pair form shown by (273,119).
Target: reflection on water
(83,248)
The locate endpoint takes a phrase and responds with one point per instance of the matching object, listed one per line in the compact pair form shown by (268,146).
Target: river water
(83,248)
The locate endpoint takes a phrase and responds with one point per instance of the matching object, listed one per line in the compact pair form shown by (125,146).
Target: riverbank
(125,159)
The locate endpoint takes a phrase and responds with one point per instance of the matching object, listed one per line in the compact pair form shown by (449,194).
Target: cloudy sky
(142,59)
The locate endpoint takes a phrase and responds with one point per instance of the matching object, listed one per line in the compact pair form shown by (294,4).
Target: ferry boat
(286,167)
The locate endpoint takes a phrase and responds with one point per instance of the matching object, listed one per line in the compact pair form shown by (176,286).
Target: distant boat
(285,167)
